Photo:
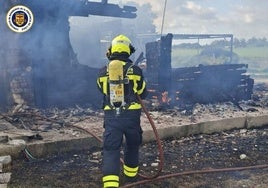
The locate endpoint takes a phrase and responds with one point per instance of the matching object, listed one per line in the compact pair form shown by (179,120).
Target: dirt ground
(235,148)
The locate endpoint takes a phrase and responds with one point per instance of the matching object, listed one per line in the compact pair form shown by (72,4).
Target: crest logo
(19,19)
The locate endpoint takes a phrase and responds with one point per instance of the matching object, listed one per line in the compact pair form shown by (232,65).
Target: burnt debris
(39,67)
(190,85)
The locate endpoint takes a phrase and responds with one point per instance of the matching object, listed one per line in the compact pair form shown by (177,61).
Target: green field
(255,57)
(249,52)
(252,52)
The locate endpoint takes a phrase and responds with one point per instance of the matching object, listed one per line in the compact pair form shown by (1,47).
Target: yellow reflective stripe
(130,168)
(110,184)
(135,78)
(107,107)
(130,172)
(110,178)
(110,181)
(141,90)
(104,81)
(134,106)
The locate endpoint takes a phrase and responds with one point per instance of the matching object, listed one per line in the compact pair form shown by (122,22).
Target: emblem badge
(19,19)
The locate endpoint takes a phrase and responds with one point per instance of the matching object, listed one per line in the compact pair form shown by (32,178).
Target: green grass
(182,57)
(252,52)
(183,52)
(255,57)
(257,60)
(248,52)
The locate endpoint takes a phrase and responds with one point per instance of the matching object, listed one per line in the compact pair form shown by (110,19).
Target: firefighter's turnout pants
(127,124)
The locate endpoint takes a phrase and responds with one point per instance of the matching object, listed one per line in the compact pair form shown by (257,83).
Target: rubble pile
(5,170)
(195,151)
(260,96)
(197,84)
(212,83)
(55,119)
(33,66)
(42,120)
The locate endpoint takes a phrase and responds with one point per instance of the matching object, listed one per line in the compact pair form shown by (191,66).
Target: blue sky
(242,18)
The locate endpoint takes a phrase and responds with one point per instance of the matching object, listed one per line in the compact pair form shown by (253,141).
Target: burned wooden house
(198,84)
(39,67)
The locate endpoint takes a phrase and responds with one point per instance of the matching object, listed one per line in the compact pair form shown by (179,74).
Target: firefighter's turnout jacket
(126,123)
(135,86)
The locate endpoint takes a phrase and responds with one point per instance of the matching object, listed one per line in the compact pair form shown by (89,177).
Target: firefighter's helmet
(120,44)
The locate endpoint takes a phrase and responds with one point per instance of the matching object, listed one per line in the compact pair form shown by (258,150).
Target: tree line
(237,43)
(252,42)
(242,43)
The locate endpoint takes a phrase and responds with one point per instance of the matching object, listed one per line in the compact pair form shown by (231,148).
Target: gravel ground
(236,148)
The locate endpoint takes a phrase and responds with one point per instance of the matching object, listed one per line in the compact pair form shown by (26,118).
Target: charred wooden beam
(200,84)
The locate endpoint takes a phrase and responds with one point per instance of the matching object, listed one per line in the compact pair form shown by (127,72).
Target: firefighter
(120,81)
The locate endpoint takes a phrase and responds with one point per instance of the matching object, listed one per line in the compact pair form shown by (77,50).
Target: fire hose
(160,148)
(159,144)
(196,172)
(157,176)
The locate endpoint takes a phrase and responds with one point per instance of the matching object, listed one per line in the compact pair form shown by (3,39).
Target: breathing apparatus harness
(118,79)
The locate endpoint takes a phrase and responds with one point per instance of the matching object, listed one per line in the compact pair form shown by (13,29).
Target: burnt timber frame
(227,82)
